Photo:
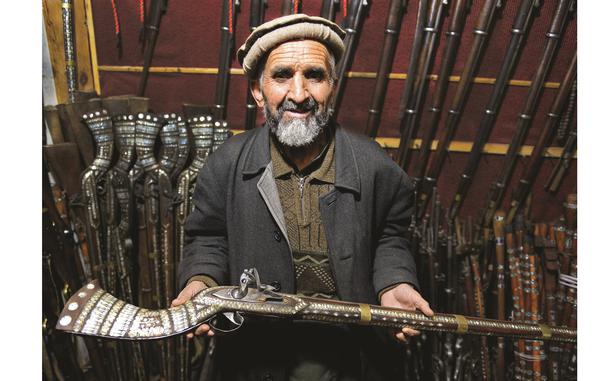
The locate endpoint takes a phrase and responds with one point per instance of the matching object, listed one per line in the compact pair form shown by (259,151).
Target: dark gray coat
(238,223)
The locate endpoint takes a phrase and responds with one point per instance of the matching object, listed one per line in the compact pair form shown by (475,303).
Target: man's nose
(298,90)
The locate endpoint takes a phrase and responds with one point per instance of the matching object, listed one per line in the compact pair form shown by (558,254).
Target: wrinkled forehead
(304,53)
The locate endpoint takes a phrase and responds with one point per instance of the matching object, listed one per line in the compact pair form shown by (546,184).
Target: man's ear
(257,92)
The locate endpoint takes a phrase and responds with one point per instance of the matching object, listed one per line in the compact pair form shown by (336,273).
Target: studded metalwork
(104,315)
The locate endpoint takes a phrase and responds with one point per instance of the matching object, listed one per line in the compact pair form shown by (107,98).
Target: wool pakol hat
(289,28)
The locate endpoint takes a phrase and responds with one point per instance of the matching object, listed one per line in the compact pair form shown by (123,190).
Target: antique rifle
(518,305)
(153,22)
(422,11)
(551,269)
(566,116)
(291,7)
(203,132)
(413,103)
(520,25)
(202,128)
(481,30)
(169,142)
(69,48)
(147,129)
(100,125)
(227,42)
(535,161)
(184,150)
(92,311)
(329,9)
(479,303)
(158,211)
(392,28)
(498,226)
(496,192)
(257,16)
(452,42)
(120,205)
(352,25)
(559,171)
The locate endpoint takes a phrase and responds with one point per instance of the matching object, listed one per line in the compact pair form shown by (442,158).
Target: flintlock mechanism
(92,311)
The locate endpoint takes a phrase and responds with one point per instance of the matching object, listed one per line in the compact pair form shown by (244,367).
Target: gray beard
(295,132)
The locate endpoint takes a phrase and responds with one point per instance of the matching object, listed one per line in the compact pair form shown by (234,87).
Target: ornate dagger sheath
(92,311)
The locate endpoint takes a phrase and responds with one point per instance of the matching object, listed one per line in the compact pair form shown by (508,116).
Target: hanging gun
(153,22)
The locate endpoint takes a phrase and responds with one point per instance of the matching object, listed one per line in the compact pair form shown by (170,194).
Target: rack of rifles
(115,204)
(518,270)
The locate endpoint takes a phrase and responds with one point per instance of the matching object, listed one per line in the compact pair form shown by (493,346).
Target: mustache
(308,104)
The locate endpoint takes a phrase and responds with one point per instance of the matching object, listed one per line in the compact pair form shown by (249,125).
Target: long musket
(498,226)
(413,103)
(100,125)
(69,48)
(352,25)
(257,16)
(481,30)
(535,161)
(551,268)
(422,11)
(559,171)
(153,22)
(329,9)
(203,133)
(392,28)
(520,26)
(291,7)
(157,204)
(169,139)
(227,43)
(92,311)
(452,42)
(498,187)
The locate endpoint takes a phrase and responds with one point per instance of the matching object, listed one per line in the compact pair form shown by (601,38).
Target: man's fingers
(401,337)
(424,307)
(410,331)
(202,329)
(178,301)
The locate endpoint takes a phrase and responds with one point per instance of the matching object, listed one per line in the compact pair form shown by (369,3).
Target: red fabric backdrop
(190,37)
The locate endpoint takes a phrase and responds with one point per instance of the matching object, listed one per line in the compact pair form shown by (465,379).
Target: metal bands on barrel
(462,324)
(365,314)
(546,331)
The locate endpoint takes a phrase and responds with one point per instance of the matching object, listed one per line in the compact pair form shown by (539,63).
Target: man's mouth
(297,113)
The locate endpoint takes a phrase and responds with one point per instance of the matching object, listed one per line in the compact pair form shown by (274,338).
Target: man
(317,211)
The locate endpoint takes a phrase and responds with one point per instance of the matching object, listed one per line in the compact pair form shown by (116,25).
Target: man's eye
(282,75)
(316,75)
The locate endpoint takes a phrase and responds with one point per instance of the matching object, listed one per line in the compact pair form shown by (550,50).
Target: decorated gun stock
(92,311)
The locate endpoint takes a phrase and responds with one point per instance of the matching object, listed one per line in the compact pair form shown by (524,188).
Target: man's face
(296,88)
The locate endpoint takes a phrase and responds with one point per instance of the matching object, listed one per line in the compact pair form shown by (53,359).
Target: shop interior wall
(190,37)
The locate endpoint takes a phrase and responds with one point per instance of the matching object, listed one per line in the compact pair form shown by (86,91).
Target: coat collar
(258,156)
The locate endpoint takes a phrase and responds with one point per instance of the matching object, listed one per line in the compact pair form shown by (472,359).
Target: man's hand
(405,297)
(186,294)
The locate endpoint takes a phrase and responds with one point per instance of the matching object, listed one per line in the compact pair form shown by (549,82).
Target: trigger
(236,321)
(234,317)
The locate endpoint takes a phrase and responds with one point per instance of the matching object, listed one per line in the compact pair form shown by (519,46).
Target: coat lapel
(258,157)
(268,190)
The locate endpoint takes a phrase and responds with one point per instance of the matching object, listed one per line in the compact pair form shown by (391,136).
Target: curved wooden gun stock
(92,311)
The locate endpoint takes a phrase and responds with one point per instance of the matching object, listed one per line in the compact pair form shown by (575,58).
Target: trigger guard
(237,320)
